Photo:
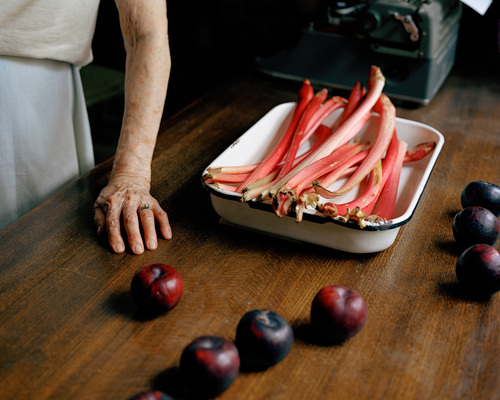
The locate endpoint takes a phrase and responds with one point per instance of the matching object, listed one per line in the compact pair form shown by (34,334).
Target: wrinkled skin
(122,199)
(145,32)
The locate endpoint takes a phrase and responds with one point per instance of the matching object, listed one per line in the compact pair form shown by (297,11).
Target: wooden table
(68,328)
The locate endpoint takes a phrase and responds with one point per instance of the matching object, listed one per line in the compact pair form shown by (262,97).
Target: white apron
(45,140)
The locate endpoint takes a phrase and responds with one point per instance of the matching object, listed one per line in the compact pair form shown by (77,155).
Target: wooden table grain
(68,328)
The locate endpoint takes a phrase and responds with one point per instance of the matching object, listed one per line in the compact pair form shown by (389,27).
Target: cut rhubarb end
(329,210)
(283,202)
(256,193)
(419,151)
(369,195)
(356,214)
(374,218)
(214,170)
(387,121)
(306,200)
(377,181)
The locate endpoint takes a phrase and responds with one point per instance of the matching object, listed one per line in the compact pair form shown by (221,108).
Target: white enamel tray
(259,140)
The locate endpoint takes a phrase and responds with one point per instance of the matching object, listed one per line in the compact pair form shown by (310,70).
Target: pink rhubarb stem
(388,164)
(324,165)
(321,133)
(256,192)
(306,94)
(309,197)
(313,113)
(241,169)
(222,177)
(333,176)
(345,210)
(327,108)
(268,179)
(348,169)
(255,189)
(355,97)
(387,199)
(372,191)
(345,131)
(387,121)
(419,151)
(289,193)
(224,186)
(343,171)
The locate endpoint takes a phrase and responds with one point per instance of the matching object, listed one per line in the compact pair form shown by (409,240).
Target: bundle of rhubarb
(294,179)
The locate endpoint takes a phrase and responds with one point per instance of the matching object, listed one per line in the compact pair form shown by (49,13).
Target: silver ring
(145,207)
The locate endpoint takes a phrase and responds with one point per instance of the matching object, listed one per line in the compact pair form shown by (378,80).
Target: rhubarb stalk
(310,198)
(419,151)
(387,199)
(355,97)
(290,192)
(387,120)
(305,119)
(345,131)
(306,94)
(255,189)
(355,208)
(364,203)
(310,122)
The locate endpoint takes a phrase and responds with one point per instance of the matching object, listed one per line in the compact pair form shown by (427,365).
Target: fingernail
(119,248)
(138,249)
(152,244)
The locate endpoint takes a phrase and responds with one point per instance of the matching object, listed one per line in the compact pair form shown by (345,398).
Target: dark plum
(208,366)
(482,194)
(156,288)
(264,338)
(338,313)
(151,395)
(475,225)
(478,269)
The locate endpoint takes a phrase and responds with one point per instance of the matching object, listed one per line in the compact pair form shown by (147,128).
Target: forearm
(127,196)
(146,80)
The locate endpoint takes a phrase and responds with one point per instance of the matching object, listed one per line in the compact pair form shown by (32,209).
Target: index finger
(99,219)
(113,229)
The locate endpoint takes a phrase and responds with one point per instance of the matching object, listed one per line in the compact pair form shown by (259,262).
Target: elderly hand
(129,196)
(126,197)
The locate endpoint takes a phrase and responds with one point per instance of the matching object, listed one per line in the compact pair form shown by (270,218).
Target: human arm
(145,33)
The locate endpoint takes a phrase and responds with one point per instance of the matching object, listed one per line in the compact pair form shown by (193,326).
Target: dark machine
(412,41)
